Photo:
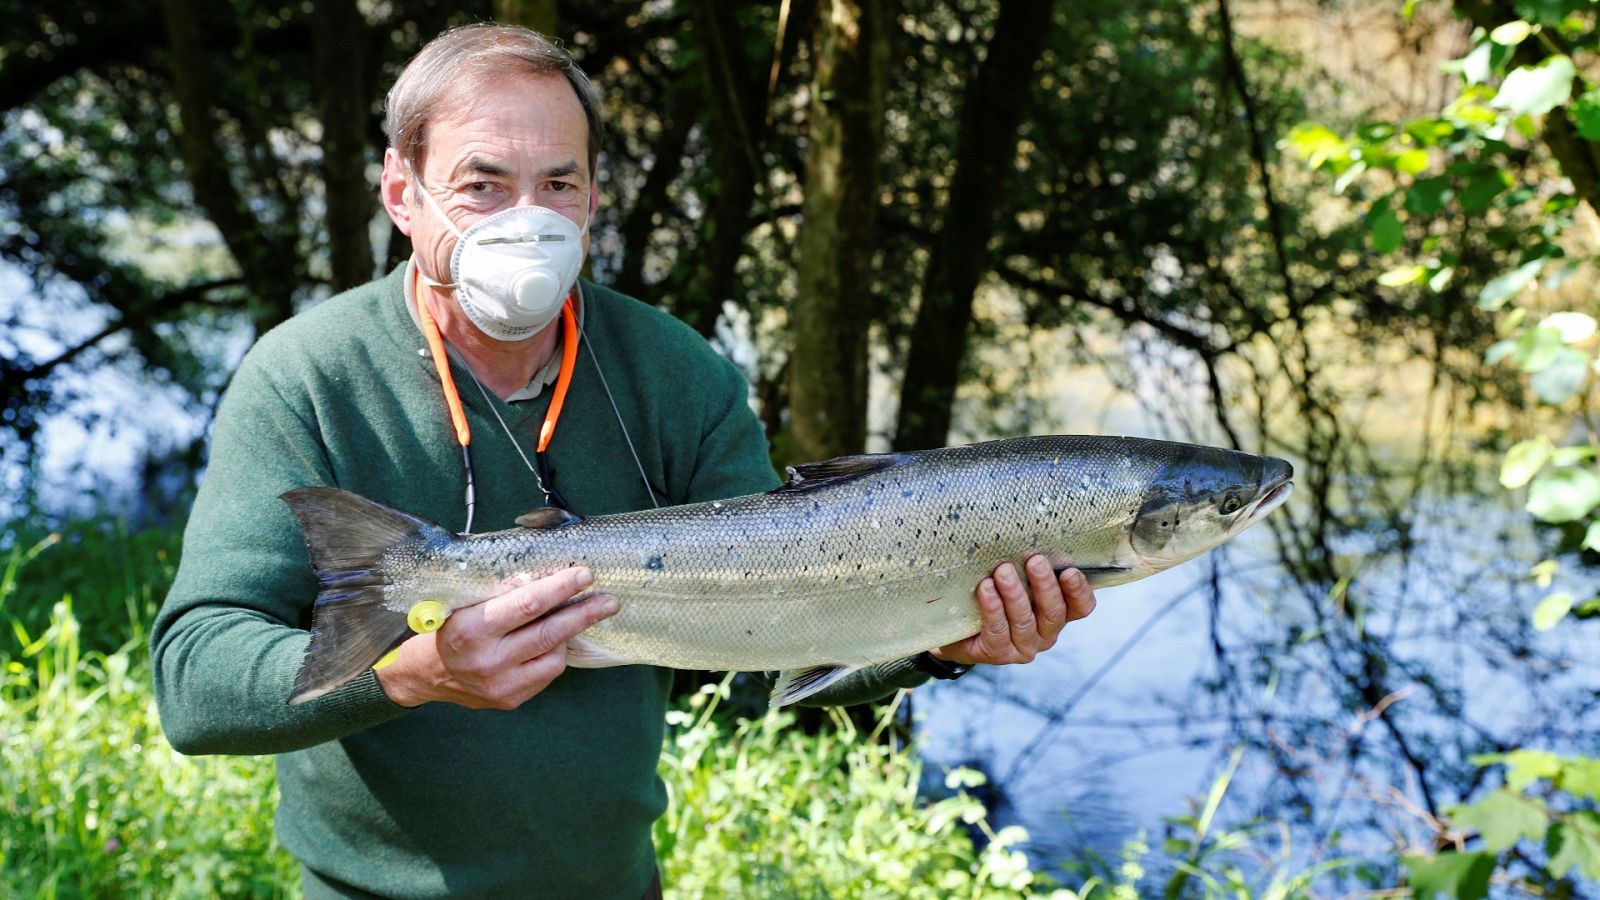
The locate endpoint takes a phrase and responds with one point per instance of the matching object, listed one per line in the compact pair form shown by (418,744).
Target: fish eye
(1231,503)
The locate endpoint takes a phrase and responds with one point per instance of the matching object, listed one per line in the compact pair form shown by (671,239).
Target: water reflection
(1359,702)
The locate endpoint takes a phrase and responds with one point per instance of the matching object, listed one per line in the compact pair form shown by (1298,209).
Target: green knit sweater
(554,798)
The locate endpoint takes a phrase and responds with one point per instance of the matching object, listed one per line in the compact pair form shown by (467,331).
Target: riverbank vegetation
(1358,235)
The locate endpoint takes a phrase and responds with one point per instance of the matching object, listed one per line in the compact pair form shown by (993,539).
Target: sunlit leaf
(1440,280)
(1535,90)
(1524,767)
(1412,161)
(1402,276)
(1499,350)
(1463,876)
(1575,844)
(1564,495)
(1502,818)
(1581,776)
(1591,538)
(1544,572)
(1562,378)
(1537,348)
(1574,326)
(1551,610)
(1502,288)
(1523,460)
(1318,144)
(1477,66)
(1511,33)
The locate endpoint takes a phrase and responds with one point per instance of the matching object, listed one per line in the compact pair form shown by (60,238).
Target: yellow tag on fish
(388,659)
(426,616)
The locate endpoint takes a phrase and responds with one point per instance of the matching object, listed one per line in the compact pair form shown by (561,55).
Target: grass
(95,803)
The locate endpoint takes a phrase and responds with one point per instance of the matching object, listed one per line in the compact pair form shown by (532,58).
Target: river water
(1133,717)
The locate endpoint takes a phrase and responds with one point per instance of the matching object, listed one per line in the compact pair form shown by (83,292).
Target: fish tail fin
(352,627)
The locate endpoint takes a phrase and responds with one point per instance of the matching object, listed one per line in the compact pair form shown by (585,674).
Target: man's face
(522,141)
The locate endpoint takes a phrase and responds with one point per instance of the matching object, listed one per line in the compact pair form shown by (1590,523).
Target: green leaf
(1500,350)
(1580,775)
(1402,276)
(1384,227)
(1495,294)
(1591,538)
(1317,144)
(1586,113)
(1503,818)
(1464,876)
(1551,610)
(1562,377)
(1524,767)
(1482,187)
(1537,348)
(1511,33)
(1574,326)
(1477,66)
(1412,161)
(1523,460)
(1535,90)
(1544,572)
(1564,495)
(1575,844)
(1427,196)
(1440,280)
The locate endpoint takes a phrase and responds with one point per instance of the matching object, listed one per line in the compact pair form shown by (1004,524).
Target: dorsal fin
(547,517)
(810,476)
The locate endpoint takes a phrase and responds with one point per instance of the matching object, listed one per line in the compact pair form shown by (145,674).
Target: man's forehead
(514,123)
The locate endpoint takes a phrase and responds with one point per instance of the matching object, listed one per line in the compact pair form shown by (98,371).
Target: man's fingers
(1023,626)
(552,632)
(1049,602)
(522,605)
(1079,595)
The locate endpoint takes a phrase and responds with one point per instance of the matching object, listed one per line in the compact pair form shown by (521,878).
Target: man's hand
(1016,628)
(498,653)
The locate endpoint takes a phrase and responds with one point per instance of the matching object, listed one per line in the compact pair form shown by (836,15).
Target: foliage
(1479,160)
(760,809)
(95,802)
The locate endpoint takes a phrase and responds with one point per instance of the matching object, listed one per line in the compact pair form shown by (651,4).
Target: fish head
(1204,497)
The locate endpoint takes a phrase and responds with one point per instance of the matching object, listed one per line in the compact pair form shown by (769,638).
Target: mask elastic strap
(427,197)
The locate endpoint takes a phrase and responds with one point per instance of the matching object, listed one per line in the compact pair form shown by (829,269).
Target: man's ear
(394,191)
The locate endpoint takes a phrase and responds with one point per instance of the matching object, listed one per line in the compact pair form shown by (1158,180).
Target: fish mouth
(1272,499)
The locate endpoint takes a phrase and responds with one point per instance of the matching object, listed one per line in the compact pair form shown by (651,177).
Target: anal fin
(795,685)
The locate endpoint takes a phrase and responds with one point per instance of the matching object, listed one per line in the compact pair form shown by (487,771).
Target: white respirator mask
(513,270)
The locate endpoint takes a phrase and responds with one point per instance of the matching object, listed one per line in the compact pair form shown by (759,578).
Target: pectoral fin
(795,685)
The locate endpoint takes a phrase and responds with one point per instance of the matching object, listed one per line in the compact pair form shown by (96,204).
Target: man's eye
(561,187)
(480,187)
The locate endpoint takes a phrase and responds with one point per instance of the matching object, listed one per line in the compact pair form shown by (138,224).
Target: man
(476,763)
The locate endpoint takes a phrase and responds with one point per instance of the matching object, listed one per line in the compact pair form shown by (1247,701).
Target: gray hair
(463,59)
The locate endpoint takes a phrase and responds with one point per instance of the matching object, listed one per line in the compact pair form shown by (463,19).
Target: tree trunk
(828,364)
(342,104)
(536,15)
(666,163)
(268,262)
(736,112)
(985,150)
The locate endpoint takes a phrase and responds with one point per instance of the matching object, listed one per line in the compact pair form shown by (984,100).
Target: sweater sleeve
(230,637)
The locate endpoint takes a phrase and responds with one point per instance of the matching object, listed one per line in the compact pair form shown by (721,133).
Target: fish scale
(855,561)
